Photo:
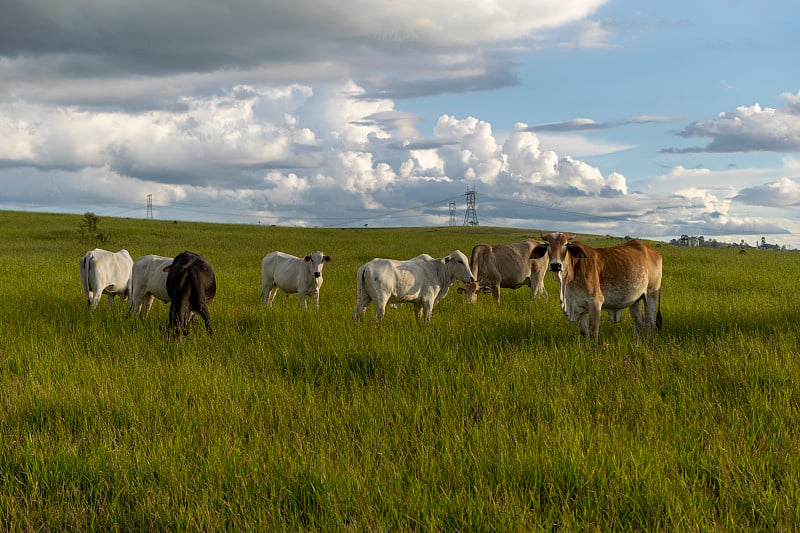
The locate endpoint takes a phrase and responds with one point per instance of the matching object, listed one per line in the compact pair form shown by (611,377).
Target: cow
(292,275)
(421,281)
(104,272)
(148,282)
(626,276)
(507,266)
(191,288)
(415,258)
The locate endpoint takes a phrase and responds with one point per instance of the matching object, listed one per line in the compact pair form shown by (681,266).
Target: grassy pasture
(485,419)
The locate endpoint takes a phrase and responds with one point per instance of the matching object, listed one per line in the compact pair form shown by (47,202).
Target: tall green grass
(485,419)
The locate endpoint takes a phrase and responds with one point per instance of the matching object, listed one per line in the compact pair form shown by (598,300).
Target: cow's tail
(473,261)
(362,299)
(658,312)
(86,278)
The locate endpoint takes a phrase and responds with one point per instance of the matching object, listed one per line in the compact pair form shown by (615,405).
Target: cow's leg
(496,292)
(186,316)
(583,325)
(379,312)
(419,309)
(315,300)
(207,319)
(428,307)
(264,292)
(594,319)
(362,301)
(361,308)
(266,285)
(537,284)
(174,322)
(137,302)
(271,295)
(146,304)
(380,308)
(652,312)
(637,316)
(358,314)
(302,296)
(135,306)
(96,296)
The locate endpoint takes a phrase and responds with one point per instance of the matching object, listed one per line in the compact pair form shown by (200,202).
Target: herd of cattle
(626,276)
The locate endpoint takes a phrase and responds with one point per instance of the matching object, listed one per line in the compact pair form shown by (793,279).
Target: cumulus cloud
(784,193)
(211,140)
(235,31)
(748,129)
(279,150)
(141,51)
(528,163)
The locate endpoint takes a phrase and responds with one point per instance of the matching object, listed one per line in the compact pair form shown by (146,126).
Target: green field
(488,418)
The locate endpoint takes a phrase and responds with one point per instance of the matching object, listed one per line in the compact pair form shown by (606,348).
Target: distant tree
(89,228)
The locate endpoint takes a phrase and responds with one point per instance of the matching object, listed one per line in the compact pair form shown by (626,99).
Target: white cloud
(749,128)
(581,146)
(112,53)
(784,193)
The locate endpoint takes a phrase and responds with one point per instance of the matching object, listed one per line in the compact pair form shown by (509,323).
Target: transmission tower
(149,206)
(452,213)
(470,217)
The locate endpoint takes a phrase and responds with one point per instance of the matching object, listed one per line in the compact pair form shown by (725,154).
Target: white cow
(416,258)
(292,274)
(104,272)
(420,281)
(148,282)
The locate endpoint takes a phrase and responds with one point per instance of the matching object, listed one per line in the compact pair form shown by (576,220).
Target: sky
(619,117)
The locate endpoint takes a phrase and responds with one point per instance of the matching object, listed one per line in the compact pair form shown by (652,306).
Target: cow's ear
(577,251)
(447,259)
(539,251)
(307,258)
(326,258)
(461,290)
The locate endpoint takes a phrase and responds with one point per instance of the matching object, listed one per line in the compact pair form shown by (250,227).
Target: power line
(206,210)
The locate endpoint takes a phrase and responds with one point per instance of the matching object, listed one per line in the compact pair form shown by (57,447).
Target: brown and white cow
(507,266)
(626,276)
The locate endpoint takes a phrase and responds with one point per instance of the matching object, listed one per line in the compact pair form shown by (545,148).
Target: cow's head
(558,245)
(317,261)
(471,289)
(459,266)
